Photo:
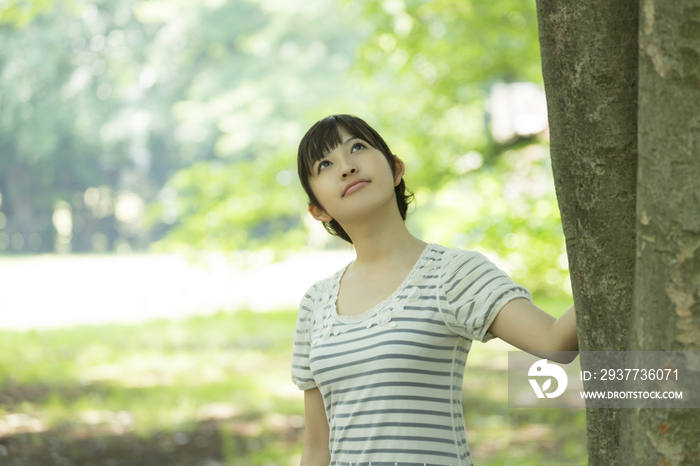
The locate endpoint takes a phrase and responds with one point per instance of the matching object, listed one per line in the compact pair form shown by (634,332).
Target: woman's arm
(526,326)
(316,433)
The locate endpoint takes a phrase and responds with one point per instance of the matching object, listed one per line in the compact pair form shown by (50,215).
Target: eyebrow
(349,139)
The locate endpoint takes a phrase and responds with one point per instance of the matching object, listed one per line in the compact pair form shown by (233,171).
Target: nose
(348,167)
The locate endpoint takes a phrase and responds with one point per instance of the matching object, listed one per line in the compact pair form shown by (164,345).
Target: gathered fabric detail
(327,322)
(322,311)
(413,294)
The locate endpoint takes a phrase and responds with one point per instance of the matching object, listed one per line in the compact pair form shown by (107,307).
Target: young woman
(380,346)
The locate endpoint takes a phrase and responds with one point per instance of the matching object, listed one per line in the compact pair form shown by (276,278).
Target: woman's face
(353,180)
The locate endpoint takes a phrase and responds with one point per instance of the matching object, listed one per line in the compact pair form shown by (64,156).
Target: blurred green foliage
(174,125)
(437,62)
(423,75)
(19,13)
(429,69)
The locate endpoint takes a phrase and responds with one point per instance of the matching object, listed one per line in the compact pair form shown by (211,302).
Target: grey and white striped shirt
(391,378)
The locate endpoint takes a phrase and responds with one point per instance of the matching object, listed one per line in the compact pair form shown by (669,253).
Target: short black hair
(322,138)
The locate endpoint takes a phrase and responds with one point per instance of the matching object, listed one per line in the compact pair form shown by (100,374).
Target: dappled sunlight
(218,411)
(156,369)
(19,423)
(182,390)
(231,369)
(118,423)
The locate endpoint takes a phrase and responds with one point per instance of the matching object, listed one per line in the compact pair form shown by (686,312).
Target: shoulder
(465,270)
(457,253)
(453,259)
(323,286)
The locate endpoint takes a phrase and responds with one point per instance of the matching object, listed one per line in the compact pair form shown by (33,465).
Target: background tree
(77,99)
(103,102)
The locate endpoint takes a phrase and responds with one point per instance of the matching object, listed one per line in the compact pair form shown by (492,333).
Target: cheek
(312,190)
(319,191)
(306,184)
(389,173)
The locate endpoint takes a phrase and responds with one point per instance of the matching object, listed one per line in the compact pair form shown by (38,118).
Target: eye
(358,146)
(323,164)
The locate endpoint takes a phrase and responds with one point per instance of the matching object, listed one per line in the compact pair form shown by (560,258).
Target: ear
(400,170)
(319,214)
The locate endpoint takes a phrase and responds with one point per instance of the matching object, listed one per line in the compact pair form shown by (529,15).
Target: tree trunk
(19,197)
(589,64)
(667,276)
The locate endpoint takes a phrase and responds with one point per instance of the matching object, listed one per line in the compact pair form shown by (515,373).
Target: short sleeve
(301,372)
(475,291)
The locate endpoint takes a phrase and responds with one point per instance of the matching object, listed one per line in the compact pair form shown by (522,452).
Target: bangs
(321,139)
(324,137)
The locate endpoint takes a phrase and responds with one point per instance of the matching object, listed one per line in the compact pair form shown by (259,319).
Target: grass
(215,390)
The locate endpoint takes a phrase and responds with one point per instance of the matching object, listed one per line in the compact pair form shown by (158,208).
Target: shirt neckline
(373,310)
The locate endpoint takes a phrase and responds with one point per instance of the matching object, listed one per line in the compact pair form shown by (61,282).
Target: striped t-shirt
(391,378)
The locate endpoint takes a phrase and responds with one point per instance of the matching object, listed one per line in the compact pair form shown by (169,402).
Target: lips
(354,186)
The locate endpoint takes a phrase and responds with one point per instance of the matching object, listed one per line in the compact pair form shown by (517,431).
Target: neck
(382,240)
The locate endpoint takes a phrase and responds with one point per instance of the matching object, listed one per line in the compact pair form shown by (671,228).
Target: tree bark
(667,277)
(589,65)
